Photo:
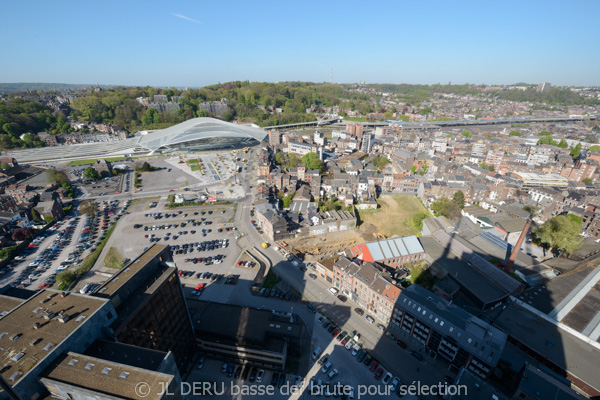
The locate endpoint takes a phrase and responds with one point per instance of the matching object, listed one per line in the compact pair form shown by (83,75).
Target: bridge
(306,124)
(473,122)
(338,121)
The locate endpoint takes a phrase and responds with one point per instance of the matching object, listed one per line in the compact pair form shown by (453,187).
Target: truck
(265,245)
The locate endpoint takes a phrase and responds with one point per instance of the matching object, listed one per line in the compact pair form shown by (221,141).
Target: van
(316,353)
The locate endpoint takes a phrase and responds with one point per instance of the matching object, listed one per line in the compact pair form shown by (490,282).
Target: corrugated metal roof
(386,249)
(393,247)
(375,251)
(412,244)
(400,245)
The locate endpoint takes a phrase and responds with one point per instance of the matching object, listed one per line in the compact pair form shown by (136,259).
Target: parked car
(387,378)
(378,373)
(259,375)
(359,311)
(374,365)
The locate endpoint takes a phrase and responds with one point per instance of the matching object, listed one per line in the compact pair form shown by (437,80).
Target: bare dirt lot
(392,219)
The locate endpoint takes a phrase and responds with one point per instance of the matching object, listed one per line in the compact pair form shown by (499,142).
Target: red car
(180,272)
(336,332)
(379,373)
(44,286)
(374,365)
(345,340)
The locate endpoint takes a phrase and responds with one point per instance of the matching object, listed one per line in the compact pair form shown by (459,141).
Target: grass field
(113,259)
(393,218)
(93,161)
(195,167)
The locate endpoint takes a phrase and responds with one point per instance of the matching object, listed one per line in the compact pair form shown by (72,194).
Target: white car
(333,290)
(387,378)
(356,349)
(394,384)
(349,344)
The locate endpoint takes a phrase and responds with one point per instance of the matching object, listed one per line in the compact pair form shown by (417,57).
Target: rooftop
(571,353)
(34,329)
(111,286)
(106,377)
(235,323)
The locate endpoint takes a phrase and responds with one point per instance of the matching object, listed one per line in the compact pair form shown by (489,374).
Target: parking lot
(45,257)
(202,239)
(335,372)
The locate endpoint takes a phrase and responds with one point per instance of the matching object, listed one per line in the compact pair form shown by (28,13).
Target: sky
(197,43)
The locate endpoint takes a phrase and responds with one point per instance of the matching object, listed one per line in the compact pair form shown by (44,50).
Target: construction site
(393,218)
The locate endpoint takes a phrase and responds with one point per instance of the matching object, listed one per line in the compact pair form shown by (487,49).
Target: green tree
(466,133)
(563,144)
(4,165)
(312,161)
(36,216)
(489,167)
(594,148)
(459,199)
(531,209)
(413,169)
(515,133)
(293,160)
(91,173)
(544,133)
(446,207)
(88,207)
(587,180)
(381,162)
(280,158)
(560,233)
(547,140)
(576,151)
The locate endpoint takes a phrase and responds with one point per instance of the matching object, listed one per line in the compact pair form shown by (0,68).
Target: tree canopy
(561,233)
(576,151)
(91,173)
(312,161)
(446,207)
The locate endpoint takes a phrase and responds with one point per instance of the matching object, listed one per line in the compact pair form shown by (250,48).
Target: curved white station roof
(188,131)
(195,129)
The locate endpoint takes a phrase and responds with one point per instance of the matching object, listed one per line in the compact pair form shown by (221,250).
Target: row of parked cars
(46,257)
(282,294)
(210,260)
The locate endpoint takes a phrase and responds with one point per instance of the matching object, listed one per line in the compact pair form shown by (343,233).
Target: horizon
(193,44)
(185,87)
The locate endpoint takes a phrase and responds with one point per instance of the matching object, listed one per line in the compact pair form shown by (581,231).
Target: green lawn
(271,280)
(93,161)
(113,259)
(394,217)
(195,167)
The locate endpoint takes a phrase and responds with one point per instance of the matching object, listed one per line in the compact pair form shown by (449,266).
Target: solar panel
(496,241)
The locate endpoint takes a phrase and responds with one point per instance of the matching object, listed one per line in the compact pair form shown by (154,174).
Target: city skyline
(192,44)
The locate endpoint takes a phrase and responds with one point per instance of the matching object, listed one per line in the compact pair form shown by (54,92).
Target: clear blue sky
(197,43)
